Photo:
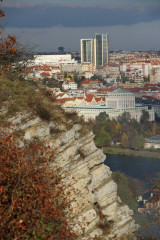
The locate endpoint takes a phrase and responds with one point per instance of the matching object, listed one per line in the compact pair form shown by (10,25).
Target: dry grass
(17,96)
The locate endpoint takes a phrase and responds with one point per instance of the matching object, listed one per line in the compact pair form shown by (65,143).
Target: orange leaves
(3,45)
(12,50)
(1,190)
(1,17)
(12,39)
(2,14)
(8,46)
(32,203)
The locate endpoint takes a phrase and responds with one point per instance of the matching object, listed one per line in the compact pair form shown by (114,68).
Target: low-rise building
(86,99)
(149,202)
(152,142)
(69,85)
(91,83)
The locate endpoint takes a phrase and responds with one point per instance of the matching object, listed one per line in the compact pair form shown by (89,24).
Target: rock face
(96,204)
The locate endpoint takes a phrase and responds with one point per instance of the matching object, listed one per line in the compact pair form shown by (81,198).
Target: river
(138,168)
(135,167)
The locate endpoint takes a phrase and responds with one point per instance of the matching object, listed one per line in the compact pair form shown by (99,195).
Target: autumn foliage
(33,204)
(8,45)
(14,57)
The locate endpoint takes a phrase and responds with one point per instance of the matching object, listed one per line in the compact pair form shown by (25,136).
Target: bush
(32,200)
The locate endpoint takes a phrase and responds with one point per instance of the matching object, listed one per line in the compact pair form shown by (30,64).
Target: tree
(33,200)
(103,116)
(79,80)
(124,118)
(135,124)
(14,57)
(146,79)
(138,142)
(61,49)
(82,78)
(125,140)
(65,74)
(103,139)
(145,117)
(99,78)
(145,124)
(96,77)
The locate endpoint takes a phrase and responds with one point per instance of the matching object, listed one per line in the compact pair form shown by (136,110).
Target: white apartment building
(135,71)
(53,60)
(71,67)
(69,85)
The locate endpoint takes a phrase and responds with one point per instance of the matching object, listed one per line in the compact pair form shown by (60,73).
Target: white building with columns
(117,102)
(120,99)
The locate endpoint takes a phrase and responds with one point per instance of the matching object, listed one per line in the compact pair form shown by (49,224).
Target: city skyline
(131,25)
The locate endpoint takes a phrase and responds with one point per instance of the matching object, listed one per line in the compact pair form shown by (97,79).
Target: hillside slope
(97,209)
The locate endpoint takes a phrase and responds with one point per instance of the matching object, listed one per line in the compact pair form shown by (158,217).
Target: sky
(45,25)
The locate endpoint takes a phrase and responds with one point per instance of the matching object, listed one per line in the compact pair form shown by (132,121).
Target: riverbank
(129,152)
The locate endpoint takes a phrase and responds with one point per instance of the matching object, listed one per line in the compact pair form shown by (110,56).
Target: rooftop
(89,107)
(155,139)
(120,90)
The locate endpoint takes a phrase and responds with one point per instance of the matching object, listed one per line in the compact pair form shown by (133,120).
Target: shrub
(32,200)
(43,112)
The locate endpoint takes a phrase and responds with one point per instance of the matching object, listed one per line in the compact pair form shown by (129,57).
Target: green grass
(129,152)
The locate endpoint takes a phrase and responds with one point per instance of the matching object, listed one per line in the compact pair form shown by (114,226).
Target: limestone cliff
(96,204)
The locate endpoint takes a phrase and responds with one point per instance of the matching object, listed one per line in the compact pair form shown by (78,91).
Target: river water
(138,168)
(135,167)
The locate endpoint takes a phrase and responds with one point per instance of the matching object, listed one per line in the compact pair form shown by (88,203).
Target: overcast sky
(47,24)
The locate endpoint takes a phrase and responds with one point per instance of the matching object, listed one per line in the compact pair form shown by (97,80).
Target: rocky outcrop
(96,205)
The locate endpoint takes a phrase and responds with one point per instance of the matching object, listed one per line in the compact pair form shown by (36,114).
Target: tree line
(125,130)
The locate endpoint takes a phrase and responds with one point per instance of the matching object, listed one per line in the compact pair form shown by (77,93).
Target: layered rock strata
(96,205)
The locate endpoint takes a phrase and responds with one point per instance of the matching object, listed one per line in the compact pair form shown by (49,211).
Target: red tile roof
(45,74)
(91,80)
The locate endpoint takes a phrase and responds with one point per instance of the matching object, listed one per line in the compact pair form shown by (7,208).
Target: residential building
(149,202)
(88,67)
(92,83)
(155,75)
(70,84)
(110,70)
(152,142)
(133,72)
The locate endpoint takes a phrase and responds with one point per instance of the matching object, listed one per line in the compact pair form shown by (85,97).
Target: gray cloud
(43,16)
(141,36)
(79,4)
